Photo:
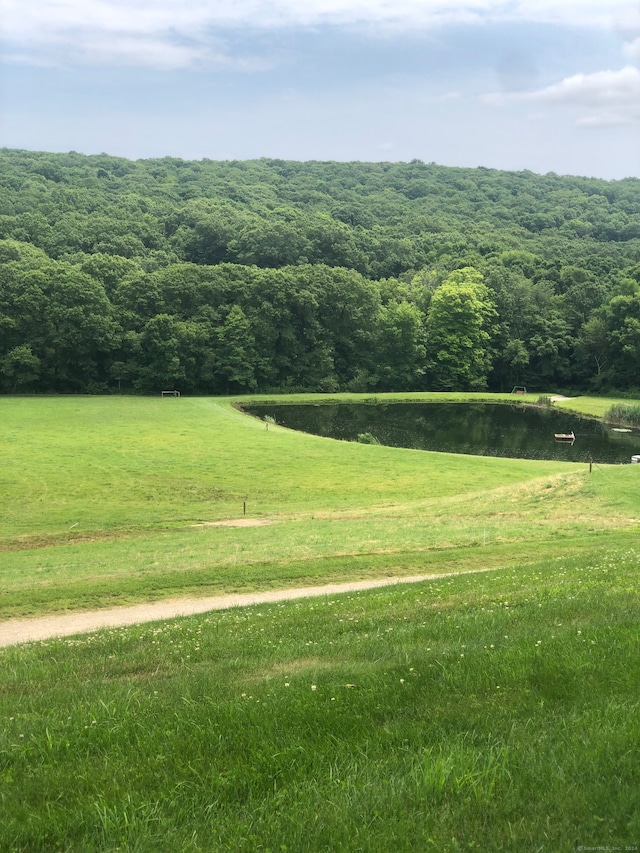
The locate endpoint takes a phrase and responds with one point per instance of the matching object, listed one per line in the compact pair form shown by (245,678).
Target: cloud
(632,49)
(171,33)
(137,32)
(612,14)
(602,99)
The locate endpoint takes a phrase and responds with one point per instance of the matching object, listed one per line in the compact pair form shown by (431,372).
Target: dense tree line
(271,275)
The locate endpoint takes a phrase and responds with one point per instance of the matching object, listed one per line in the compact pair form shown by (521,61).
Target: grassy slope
(496,712)
(492,711)
(134,463)
(592,406)
(104,495)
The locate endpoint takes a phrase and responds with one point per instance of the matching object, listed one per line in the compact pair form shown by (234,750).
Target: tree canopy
(225,277)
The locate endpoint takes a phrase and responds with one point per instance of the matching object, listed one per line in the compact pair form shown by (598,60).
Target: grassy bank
(594,407)
(110,500)
(494,712)
(483,711)
(94,465)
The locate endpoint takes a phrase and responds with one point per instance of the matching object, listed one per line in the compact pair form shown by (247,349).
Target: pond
(480,429)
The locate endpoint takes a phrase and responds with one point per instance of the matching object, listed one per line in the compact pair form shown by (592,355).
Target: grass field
(492,711)
(107,501)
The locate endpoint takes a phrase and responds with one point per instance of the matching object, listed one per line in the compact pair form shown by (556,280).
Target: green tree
(158,351)
(516,359)
(21,367)
(592,349)
(458,338)
(109,270)
(400,349)
(272,243)
(60,316)
(235,353)
(622,318)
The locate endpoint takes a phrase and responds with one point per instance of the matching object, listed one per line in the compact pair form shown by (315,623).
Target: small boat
(565,436)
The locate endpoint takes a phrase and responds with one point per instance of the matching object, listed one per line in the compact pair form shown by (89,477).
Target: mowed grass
(494,711)
(593,406)
(96,465)
(108,500)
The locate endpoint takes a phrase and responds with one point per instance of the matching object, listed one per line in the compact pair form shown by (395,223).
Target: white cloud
(614,14)
(159,34)
(602,99)
(632,49)
(175,33)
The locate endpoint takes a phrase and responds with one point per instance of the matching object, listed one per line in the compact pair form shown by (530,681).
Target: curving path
(15,631)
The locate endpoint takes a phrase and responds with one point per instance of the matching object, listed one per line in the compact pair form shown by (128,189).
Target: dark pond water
(480,429)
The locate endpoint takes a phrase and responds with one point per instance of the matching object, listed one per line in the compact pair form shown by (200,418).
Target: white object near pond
(636,459)
(620,429)
(567,437)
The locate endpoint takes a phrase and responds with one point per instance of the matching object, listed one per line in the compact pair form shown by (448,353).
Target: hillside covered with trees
(269,275)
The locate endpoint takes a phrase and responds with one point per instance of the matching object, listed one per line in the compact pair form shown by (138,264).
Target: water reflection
(480,429)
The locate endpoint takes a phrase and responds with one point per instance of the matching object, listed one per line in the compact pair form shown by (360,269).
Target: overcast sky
(545,85)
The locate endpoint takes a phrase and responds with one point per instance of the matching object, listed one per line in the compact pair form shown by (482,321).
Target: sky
(544,85)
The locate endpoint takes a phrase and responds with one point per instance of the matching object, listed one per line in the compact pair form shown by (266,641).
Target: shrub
(620,413)
(367,438)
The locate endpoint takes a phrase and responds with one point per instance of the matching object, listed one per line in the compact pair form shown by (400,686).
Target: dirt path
(15,631)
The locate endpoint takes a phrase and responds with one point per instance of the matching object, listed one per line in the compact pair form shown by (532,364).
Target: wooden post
(244,507)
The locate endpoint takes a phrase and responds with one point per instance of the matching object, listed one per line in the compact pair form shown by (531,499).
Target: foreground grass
(495,711)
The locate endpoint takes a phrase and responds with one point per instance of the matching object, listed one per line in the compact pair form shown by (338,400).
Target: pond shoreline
(475,425)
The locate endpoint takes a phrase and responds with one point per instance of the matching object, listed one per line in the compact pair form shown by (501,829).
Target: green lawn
(106,498)
(489,711)
(593,406)
(493,711)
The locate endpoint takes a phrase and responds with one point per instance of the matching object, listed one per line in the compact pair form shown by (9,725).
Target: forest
(276,276)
